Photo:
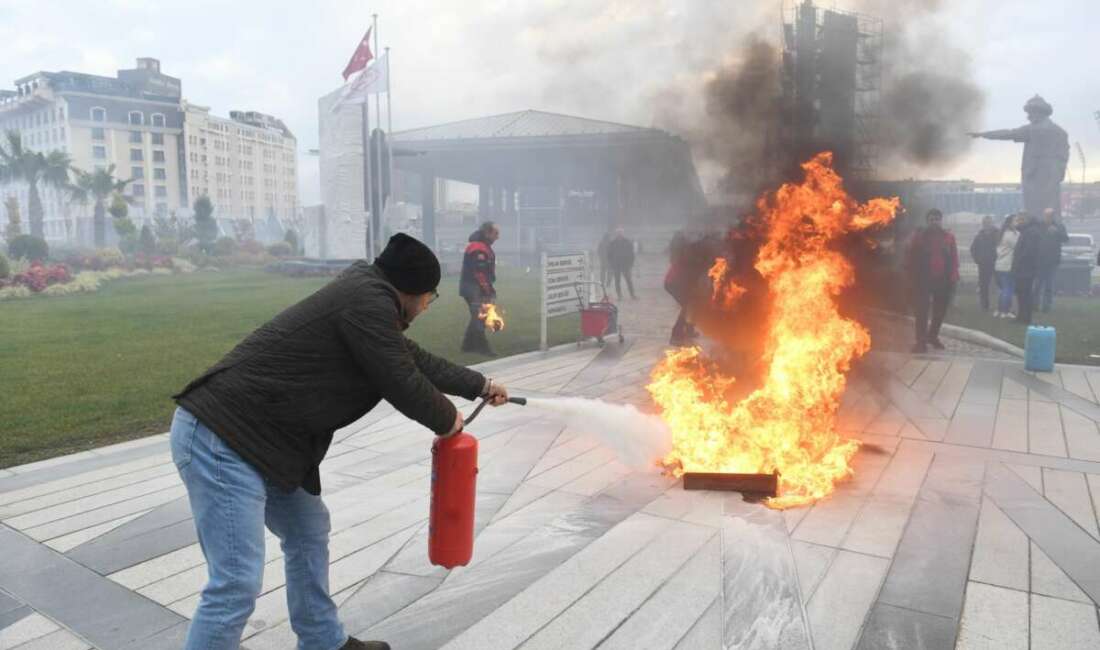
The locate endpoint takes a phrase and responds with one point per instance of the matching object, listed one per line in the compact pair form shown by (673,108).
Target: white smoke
(638,439)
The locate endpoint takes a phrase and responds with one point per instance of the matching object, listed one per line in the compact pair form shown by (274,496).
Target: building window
(159,174)
(136,155)
(97,133)
(158,119)
(139,189)
(161,191)
(158,156)
(158,138)
(62,131)
(61,113)
(99,153)
(135,137)
(137,118)
(99,115)
(137,173)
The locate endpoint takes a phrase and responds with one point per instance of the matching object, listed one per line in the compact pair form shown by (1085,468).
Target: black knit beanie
(409,265)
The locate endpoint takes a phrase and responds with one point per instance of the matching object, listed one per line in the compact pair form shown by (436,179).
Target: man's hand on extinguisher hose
(496,394)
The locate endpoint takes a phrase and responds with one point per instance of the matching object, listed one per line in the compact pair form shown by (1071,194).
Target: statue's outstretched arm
(1017,135)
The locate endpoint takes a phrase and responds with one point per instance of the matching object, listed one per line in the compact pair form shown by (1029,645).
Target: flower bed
(86,274)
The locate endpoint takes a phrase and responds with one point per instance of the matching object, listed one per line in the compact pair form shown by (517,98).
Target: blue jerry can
(1039,349)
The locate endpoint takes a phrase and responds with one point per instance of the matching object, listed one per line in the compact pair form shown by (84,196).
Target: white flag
(371,81)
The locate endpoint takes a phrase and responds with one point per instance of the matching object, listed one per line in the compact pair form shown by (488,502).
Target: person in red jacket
(479,272)
(933,264)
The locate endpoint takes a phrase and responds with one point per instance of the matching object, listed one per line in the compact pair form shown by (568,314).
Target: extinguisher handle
(476,411)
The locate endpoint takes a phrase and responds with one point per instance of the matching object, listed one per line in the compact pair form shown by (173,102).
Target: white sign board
(561,293)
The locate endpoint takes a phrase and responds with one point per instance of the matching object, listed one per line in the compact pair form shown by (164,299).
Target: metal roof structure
(521,124)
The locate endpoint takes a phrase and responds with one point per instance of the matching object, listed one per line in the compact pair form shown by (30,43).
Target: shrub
(148,241)
(280,249)
(291,239)
(5,267)
(225,246)
(252,247)
(15,291)
(38,277)
(28,247)
(109,257)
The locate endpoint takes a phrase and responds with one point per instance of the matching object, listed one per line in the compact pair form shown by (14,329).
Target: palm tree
(33,167)
(98,186)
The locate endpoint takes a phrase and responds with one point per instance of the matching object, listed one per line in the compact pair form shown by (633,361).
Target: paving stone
(984,383)
(895,628)
(972,425)
(13,615)
(932,561)
(993,618)
(840,603)
(58,640)
(28,628)
(1082,436)
(1044,429)
(7,603)
(1070,492)
(1049,580)
(1062,625)
(882,520)
(1000,550)
(706,634)
(950,390)
(1069,546)
(162,530)
(811,562)
(1010,428)
(27,477)
(1075,381)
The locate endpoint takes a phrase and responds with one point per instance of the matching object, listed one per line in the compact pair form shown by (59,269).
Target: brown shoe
(355,644)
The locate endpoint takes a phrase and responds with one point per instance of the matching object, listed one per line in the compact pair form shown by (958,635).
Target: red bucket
(595,320)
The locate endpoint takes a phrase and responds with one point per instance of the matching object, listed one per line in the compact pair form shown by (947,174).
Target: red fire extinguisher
(454,492)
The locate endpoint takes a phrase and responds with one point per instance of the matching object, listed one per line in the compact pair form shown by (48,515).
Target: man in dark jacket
(1025,268)
(620,257)
(1052,234)
(933,265)
(250,433)
(479,272)
(983,250)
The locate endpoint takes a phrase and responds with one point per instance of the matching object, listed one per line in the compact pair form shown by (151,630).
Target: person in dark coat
(1052,234)
(1025,268)
(983,250)
(601,254)
(479,272)
(933,265)
(249,434)
(620,257)
(680,280)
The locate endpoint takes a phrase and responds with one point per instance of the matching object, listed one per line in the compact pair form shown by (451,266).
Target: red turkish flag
(361,58)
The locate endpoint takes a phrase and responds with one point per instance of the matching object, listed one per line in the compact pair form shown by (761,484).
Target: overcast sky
(602,59)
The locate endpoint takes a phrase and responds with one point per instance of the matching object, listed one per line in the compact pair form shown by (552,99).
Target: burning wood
(765,485)
(491,317)
(787,424)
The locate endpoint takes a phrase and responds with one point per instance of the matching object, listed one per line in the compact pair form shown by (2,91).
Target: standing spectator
(933,264)
(620,257)
(1052,235)
(983,250)
(1006,245)
(1025,268)
(479,272)
(679,282)
(601,252)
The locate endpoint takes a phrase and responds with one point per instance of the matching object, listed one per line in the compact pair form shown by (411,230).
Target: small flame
(726,291)
(491,317)
(788,424)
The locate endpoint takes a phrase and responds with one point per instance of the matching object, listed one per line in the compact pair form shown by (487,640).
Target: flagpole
(376,161)
(389,120)
(364,112)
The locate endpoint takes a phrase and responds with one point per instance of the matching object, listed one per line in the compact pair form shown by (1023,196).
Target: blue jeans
(1007,284)
(231,503)
(1044,288)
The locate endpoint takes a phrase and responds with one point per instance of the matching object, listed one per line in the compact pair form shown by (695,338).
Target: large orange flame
(725,290)
(788,424)
(491,317)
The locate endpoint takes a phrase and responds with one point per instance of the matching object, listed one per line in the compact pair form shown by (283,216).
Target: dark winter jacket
(1051,238)
(1025,259)
(983,250)
(320,365)
(620,254)
(479,270)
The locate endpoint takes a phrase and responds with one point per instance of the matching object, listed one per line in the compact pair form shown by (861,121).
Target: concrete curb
(961,333)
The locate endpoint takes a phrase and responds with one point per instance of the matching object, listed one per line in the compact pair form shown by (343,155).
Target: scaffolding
(831,85)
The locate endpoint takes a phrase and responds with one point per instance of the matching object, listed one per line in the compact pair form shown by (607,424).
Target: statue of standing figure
(1046,154)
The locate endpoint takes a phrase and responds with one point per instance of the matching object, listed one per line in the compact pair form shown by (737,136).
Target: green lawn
(1077,321)
(88,370)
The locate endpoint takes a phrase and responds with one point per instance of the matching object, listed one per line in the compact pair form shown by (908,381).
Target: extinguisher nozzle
(522,401)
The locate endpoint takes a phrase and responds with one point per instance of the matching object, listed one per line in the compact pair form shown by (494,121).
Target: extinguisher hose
(522,401)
